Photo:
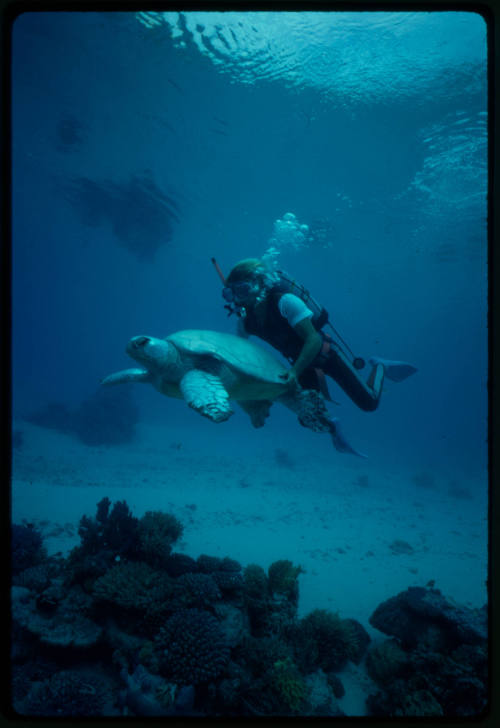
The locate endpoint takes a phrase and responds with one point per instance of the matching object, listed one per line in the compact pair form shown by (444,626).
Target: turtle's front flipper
(127,375)
(257,409)
(205,393)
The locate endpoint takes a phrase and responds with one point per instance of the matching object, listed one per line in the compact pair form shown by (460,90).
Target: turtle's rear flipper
(257,409)
(206,394)
(310,407)
(312,413)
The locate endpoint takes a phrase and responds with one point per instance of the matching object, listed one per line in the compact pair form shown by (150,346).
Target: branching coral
(228,582)
(323,639)
(111,535)
(206,564)
(255,582)
(192,647)
(287,682)
(276,686)
(196,590)
(157,532)
(256,596)
(260,653)
(114,530)
(283,579)
(130,585)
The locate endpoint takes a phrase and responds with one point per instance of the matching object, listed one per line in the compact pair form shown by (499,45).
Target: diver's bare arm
(311,347)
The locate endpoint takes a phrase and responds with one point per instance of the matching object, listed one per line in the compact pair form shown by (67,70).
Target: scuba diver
(271,305)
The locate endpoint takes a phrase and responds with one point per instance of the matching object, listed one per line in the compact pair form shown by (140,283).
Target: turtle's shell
(238,353)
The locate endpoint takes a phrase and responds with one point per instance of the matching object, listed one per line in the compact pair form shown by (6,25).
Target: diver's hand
(290,379)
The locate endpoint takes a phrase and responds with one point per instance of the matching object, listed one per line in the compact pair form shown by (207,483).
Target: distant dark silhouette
(283,458)
(71,134)
(108,417)
(141,215)
(54,416)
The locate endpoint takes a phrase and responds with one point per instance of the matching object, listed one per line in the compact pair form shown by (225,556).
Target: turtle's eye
(141,341)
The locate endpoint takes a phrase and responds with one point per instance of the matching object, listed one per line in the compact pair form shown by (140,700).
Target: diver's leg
(366,395)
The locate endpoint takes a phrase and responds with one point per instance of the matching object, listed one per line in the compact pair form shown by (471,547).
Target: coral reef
(420,615)
(256,596)
(193,647)
(66,693)
(255,582)
(141,597)
(36,578)
(196,590)
(114,531)
(229,582)
(104,540)
(157,533)
(321,699)
(124,627)
(128,585)
(386,661)
(26,547)
(283,579)
(437,665)
(226,572)
(322,639)
(288,683)
(65,624)
(176,564)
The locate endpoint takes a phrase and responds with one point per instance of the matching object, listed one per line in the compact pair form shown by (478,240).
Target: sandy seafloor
(251,507)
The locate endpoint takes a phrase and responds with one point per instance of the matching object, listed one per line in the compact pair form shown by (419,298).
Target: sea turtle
(209,368)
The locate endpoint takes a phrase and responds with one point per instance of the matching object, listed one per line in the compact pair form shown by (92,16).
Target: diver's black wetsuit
(331,360)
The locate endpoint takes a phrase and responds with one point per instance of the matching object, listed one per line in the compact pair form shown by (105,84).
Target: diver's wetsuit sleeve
(293,309)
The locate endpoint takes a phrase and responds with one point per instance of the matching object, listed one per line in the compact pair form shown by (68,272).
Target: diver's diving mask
(238,292)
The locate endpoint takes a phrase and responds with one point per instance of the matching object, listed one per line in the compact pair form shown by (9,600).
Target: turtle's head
(150,352)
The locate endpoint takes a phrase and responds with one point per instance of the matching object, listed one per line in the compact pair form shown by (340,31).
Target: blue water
(145,144)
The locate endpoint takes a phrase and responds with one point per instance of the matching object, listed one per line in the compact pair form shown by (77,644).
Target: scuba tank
(287,284)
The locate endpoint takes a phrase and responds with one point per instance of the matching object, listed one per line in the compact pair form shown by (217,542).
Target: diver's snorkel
(231,306)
